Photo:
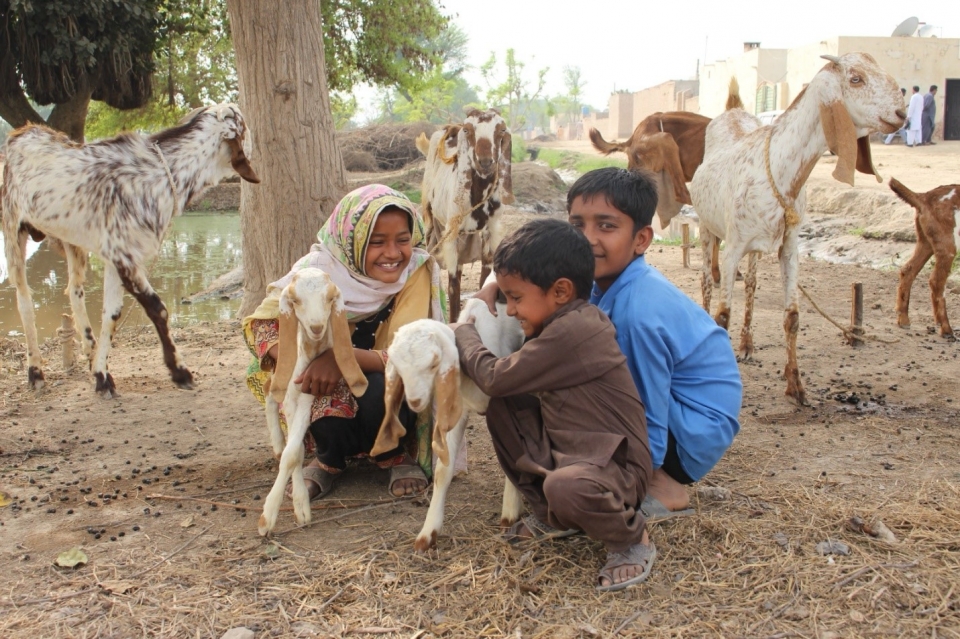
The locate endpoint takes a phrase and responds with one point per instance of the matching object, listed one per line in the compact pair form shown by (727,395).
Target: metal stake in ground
(856,316)
(685,230)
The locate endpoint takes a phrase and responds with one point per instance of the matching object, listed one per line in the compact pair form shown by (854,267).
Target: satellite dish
(906,28)
(927,31)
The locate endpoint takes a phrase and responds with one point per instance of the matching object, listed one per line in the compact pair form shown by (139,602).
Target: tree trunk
(71,116)
(284,99)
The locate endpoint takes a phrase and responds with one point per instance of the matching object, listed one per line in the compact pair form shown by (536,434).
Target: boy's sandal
(653,511)
(321,478)
(407,471)
(635,555)
(538,530)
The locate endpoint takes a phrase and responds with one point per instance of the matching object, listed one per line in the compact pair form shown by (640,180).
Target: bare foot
(668,491)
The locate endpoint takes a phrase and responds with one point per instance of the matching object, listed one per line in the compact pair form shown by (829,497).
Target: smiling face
(389,248)
(610,232)
(530,304)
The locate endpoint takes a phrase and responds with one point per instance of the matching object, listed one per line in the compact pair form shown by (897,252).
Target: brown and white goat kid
(115,198)
(466,179)
(749,191)
(424,364)
(312,321)
(938,214)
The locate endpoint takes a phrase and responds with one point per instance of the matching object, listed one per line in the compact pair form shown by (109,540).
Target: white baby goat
(424,363)
(311,308)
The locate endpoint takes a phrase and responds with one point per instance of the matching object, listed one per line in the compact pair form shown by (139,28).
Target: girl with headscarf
(372,249)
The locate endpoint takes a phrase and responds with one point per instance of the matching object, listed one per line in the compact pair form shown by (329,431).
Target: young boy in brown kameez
(567,423)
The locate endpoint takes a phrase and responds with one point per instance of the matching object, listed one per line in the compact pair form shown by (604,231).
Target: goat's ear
(448,411)
(287,347)
(504,164)
(391,430)
(423,143)
(239,161)
(841,136)
(343,349)
(865,158)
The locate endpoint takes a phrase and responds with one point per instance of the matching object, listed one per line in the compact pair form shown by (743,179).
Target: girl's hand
(321,376)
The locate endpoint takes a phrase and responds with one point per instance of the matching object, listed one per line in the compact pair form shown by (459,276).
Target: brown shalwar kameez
(567,424)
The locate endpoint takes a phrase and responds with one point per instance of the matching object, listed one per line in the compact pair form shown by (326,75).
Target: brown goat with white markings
(938,211)
(466,179)
(115,198)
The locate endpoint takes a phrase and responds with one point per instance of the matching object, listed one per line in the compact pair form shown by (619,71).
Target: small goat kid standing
(938,211)
(312,321)
(115,198)
(466,179)
(749,191)
(424,365)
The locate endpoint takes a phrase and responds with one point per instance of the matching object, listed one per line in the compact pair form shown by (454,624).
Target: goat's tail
(733,95)
(603,146)
(905,194)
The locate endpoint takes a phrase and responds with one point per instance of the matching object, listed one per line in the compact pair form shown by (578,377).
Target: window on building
(766,98)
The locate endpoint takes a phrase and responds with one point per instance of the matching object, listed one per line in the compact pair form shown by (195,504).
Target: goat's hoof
(950,337)
(744,356)
(798,396)
(423,544)
(506,523)
(105,386)
(182,378)
(35,379)
(263,527)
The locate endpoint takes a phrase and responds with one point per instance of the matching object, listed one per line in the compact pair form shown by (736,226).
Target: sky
(631,45)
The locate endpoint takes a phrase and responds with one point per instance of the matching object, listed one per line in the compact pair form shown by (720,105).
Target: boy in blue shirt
(681,361)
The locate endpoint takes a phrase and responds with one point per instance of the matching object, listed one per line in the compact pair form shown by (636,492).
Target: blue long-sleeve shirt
(682,363)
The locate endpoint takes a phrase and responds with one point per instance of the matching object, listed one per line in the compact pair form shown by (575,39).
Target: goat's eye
(855,79)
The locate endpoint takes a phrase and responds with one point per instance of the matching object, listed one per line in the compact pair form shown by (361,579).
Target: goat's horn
(831,58)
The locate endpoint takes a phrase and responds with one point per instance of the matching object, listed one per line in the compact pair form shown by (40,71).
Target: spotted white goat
(466,179)
(749,191)
(312,321)
(115,198)
(424,364)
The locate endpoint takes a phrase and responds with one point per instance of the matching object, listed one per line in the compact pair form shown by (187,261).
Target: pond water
(199,248)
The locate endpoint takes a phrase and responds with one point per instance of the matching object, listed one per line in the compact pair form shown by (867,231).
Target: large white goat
(424,364)
(312,321)
(749,191)
(115,198)
(466,179)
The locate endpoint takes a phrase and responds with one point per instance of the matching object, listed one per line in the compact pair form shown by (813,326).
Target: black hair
(632,192)
(544,251)
(916,89)
(933,87)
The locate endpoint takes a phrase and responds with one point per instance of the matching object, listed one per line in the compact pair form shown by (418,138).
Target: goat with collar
(749,191)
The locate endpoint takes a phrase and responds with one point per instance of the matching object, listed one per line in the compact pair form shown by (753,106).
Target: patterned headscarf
(341,247)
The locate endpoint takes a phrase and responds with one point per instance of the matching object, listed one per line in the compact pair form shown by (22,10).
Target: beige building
(771,79)
(626,110)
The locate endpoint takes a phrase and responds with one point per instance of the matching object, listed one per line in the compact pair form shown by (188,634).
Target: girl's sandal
(402,472)
(323,482)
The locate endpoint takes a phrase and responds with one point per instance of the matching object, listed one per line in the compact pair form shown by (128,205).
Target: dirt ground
(162,488)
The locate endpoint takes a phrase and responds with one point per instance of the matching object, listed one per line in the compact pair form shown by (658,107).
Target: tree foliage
(66,52)
(569,104)
(511,90)
(381,43)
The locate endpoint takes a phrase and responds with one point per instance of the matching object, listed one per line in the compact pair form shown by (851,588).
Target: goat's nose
(486,163)
(316,329)
(901,114)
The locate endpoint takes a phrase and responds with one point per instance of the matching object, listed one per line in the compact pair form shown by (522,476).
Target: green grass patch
(403,187)
(858,231)
(669,241)
(579,162)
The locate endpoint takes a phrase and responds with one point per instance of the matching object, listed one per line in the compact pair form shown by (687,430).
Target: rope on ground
(848,333)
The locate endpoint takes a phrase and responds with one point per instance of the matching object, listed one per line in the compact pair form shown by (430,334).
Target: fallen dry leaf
(71,558)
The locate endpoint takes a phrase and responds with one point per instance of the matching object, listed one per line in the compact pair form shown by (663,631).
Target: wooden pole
(685,230)
(856,315)
(66,334)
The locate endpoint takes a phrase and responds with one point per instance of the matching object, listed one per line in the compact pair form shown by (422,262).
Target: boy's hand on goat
(488,295)
(321,376)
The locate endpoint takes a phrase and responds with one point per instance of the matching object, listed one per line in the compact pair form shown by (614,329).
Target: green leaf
(71,558)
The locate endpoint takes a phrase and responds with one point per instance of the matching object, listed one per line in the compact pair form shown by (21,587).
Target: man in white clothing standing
(915,118)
